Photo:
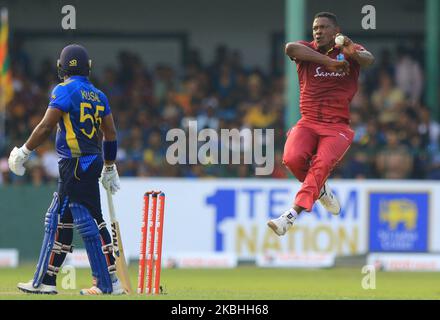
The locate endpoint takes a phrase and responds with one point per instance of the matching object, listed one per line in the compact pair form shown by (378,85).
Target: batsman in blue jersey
(81,111)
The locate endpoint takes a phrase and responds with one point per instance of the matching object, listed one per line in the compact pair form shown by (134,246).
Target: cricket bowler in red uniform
(328,76)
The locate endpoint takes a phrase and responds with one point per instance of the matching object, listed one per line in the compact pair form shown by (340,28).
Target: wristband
(110,150)
(25,150)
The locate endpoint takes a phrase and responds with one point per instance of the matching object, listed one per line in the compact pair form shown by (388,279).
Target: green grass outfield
(251,283)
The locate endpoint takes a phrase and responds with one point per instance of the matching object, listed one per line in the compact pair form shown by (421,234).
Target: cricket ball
(339,40)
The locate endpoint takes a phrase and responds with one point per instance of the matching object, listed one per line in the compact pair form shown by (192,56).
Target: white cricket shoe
(283,223)
(117,288)
(94,290)
(41,289)
(328,200)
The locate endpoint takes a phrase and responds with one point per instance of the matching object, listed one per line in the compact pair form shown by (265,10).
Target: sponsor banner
(405,261)
(8,258)
(289,260)
(398,221)
(200,260)
(230,216)
(78,259)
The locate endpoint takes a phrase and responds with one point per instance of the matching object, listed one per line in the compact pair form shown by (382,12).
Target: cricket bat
(118,250)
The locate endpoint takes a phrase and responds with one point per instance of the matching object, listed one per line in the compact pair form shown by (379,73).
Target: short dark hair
(328,15)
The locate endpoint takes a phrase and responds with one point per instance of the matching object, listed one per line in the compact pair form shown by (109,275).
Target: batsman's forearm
(38,136)
(301,52)
(364,58)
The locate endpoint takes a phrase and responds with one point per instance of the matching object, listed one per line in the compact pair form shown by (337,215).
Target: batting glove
(110,178)
(17,158)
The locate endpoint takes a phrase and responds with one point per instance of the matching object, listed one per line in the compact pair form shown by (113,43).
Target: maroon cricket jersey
(325,96)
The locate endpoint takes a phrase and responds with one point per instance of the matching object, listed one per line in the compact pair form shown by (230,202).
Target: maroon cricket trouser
(311,152)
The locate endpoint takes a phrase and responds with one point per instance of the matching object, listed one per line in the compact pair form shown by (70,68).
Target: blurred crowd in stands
(395,136)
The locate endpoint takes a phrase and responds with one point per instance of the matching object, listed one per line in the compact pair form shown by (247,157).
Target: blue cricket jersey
(83,108)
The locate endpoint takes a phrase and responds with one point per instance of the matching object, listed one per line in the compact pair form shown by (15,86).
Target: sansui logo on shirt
(320,73)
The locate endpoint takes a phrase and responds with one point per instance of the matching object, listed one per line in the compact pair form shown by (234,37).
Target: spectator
(429,129)
(394,161)
(395,136)
(357,165)
(387,99)
(409,77)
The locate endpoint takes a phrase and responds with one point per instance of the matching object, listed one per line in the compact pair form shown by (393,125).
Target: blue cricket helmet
(74,60)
